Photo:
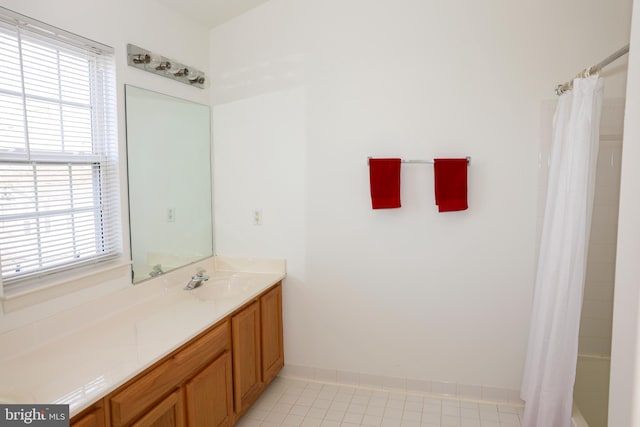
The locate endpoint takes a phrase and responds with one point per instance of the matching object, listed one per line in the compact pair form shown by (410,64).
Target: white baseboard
(450,390)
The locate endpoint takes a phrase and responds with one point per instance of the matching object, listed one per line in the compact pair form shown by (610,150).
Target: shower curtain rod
(594,69)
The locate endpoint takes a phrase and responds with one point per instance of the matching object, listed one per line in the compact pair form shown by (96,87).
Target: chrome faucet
(156,271)
(196,280)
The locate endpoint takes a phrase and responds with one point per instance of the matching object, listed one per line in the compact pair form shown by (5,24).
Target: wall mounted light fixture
(157,64)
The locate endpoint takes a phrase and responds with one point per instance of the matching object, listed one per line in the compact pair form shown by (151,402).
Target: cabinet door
(247,366)
(167,413)
(272,343)
(131,401)
(94,418)
(209,398)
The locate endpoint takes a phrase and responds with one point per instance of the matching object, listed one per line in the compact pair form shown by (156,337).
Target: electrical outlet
(257,217)
(171,215)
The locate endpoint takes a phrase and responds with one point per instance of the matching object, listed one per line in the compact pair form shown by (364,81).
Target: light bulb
(164,66)
(181,71)
(154,61)
(196,78)
(140,58)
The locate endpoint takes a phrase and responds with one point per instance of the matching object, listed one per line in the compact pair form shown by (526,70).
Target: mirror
(169,165)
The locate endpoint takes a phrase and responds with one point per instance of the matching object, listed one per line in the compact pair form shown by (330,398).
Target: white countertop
(85,353)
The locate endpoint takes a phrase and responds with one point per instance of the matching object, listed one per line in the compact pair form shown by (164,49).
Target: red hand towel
(450,184)
(384,177)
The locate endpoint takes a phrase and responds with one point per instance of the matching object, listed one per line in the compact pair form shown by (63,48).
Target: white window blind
(59,190)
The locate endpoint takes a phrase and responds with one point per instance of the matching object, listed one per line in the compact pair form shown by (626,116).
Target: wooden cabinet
(208,382)
(89,420)
(271,330)
(258,351)
(92,417)
(247,365)
(135,398)
(167,413)
(209,395)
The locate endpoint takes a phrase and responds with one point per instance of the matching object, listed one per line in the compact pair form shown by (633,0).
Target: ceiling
(211,13)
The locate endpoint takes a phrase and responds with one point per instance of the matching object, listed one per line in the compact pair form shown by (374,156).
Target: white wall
(116,23)
(303,91)
(624,394)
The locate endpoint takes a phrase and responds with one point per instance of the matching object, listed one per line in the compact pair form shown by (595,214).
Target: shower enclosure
(591,391)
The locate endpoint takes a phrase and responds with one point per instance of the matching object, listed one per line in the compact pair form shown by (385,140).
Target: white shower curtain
(550,368)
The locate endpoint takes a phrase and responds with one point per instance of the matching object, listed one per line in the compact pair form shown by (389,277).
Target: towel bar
(421,161)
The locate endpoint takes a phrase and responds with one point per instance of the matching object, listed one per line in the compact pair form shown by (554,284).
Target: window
(59,190)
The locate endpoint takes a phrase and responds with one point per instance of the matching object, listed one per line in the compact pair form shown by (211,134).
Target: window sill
(57,285)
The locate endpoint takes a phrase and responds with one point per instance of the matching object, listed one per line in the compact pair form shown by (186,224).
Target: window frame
(103,162)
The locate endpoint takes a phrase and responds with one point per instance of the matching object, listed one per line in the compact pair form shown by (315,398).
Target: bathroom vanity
(209,381)
(165,357)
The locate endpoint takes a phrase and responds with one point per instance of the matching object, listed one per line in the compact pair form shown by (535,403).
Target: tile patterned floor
(291,402)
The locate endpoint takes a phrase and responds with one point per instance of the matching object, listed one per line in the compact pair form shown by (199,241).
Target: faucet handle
(200,275)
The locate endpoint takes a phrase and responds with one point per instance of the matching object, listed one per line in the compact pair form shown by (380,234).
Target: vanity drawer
(149,387)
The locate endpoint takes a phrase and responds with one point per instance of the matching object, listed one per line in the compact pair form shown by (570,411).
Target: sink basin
(221,288)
